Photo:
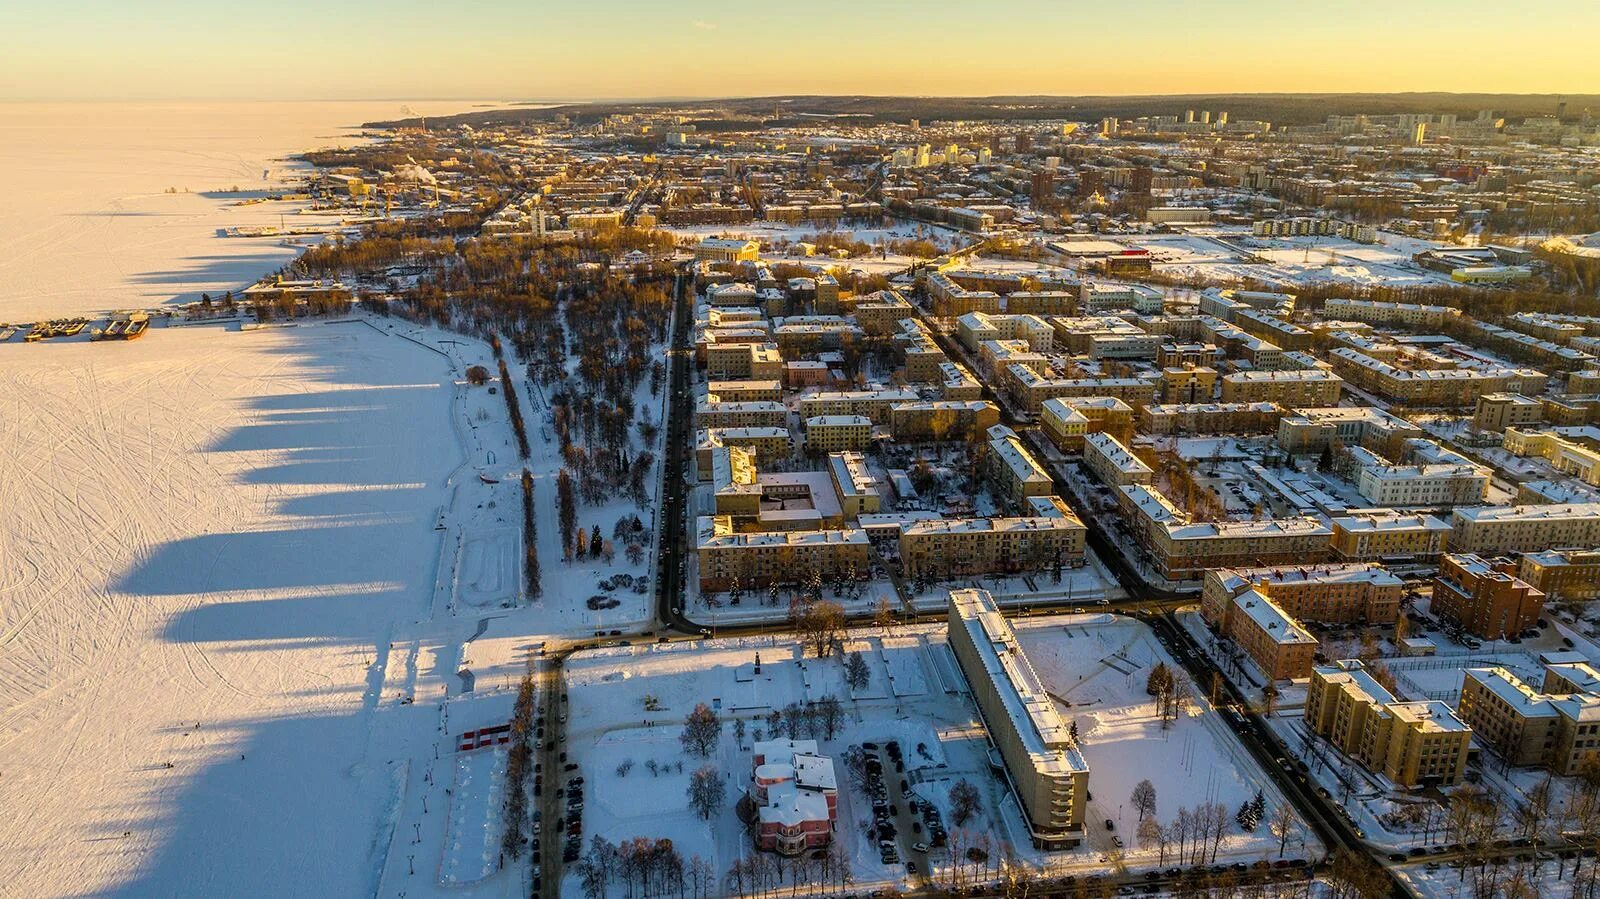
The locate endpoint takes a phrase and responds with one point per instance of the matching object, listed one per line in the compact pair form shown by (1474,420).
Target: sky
(592,49)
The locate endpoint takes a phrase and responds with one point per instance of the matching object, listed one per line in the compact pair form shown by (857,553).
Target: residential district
(1170,503)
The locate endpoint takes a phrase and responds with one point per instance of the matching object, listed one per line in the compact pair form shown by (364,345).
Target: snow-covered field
(1096,666)
(89,225)
(210,539)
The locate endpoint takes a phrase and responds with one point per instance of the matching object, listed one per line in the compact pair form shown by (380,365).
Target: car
(1110,824)
(911,867)
(1397,856)
(919,847)
(569,766)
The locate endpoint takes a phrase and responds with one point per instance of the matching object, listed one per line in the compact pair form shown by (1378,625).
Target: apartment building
(957,382)
(1439,478)
(1110,460)
(879,314)
(873,404)
(1411,743)
(1312,387)
(1047,773)
(1182,549)
(1268,327)
(1383,535)
(1409,315)
(744,391)
(1497,530)
(1310,430)
(1210,418)
(1563,573)
(768,444)
(940,420)
(974,328)
(945,548)
(1280,647)
(1332,594)
(1066,420)
(1485,596)
(838,433)
(1191,384)
(1434,387)
(763,414)
(951,299)
(1499,411)
(1013,472)
(1528,727)
(728,558)
(1030,389)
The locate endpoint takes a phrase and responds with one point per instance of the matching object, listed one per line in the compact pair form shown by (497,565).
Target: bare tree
(701,729)
(1282,824)
(1144,798)
(706,791)
(964,802)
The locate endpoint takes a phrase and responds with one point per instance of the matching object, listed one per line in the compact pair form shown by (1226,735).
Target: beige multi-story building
(1030,389)
(1333,594)
(1499,411)
(1376,313)
(1442,387)
(1563,573)
(1113,463)
(1411,743)
(1279,331)
(1555,730)
(953,547)
(768,444)
(1484,597)
(856,487)
(941,420)
(761,414)
(1066,420)
(1188,384)
(1013,471)
(1310,430)
(1182,548)
(1388,536)
(949,298)
(1278,644)
(744,391)
(874,404)
(837,433)
(958,383)
(1046,771)
(921,354)
(742,361)
(1571,451)
(1210,418)
(880,314)
(974,328)
(728,558)
(1497,530)
(1311,387)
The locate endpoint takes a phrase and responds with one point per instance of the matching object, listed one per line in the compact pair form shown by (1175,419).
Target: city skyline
(623,49)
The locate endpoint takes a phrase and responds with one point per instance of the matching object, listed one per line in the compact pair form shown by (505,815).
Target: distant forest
(1280,109)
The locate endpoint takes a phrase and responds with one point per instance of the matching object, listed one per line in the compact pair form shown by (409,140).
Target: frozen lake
(118,205)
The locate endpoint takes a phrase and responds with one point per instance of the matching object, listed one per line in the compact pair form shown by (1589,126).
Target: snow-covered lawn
(1096,666)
